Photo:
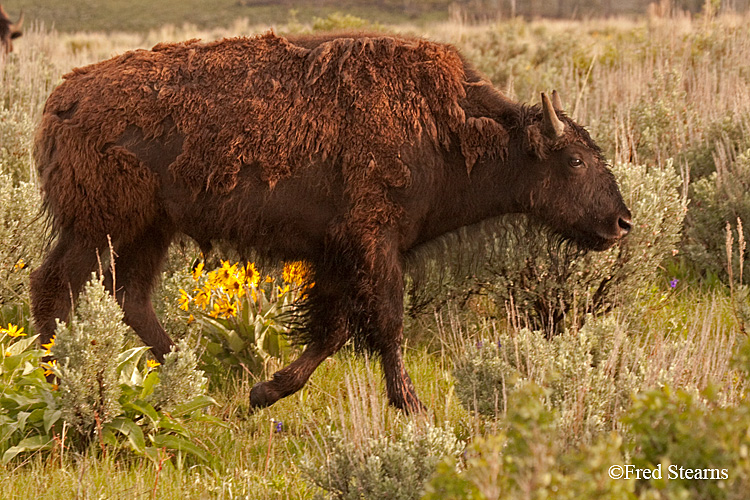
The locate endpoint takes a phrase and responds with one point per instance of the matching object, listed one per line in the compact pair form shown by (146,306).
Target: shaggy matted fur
(246,101)
(347,151)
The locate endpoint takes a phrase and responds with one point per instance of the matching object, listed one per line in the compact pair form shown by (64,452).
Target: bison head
(9,30)
(572,190)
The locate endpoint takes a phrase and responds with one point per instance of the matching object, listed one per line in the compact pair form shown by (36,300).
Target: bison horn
(556,101)
(553,127)
(15,28)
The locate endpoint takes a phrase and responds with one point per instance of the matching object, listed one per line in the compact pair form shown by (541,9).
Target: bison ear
(552,126)
(482,137)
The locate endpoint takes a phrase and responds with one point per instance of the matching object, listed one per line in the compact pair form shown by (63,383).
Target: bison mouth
(601,239)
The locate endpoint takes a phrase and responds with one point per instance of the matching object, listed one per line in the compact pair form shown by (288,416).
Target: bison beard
(346,152)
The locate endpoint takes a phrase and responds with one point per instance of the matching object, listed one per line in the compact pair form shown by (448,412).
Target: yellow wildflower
(14,331)
(202,298)
(50,370)
(225,309)
(184,300)
(297,273)
(198,271)
(152,363)
(234,287)
(19,265)
(222,275)
(49,345)
(239,274)
(252,276)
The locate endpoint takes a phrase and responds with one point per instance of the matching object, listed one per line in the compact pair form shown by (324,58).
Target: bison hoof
(261,396)
(409,405)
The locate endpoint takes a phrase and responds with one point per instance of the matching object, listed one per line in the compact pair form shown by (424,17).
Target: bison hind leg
(137,267)
(60,279)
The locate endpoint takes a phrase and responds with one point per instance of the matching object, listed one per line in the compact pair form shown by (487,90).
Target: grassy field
(140,15)
(656,375)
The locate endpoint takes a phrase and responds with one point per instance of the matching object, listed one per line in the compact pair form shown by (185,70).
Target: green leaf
(14,400)
(131,356)
(179,444)
(29,444)
(153,453)
(51,416)
(149,383)
(193,405)
(21,418)
(127,365)
(234,340)
(22,344)
(169,424)
(140,407)
(109,438)
(131,430)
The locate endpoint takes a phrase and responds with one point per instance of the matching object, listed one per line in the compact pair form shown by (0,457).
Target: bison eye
(577,163)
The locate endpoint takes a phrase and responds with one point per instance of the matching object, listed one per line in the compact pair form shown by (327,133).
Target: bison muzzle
(347,152)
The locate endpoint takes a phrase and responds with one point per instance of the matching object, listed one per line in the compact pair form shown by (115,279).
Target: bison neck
(490,190)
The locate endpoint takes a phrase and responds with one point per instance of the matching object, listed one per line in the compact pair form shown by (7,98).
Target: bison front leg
(358,291)
(327,330)
(386,334)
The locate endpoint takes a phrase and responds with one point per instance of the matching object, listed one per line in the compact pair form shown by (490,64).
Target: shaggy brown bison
(345,152)
(9,30)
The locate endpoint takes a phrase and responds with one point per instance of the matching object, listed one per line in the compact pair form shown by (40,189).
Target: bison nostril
(624,224)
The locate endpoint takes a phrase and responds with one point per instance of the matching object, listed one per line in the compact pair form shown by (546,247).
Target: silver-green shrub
(16,136)
(386,467)
(525,461)
(552,283)
(22,235)
(86,349)
(179,379)
(717,199)
(588,375)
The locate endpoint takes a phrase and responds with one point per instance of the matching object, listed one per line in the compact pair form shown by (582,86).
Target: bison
(346,152)
(9,30)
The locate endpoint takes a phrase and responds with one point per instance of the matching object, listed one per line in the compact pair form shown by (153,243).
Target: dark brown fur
(9,31)
(344,151)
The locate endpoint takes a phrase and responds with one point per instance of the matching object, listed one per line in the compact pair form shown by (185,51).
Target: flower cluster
(218,292)
(297,273)
(243,317)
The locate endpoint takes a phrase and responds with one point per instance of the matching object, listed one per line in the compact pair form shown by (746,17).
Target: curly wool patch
(268,102)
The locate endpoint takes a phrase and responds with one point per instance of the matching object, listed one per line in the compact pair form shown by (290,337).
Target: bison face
(576,194)
(9,30)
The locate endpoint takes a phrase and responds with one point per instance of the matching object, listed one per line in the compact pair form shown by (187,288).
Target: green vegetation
(141,15)
(541,368)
